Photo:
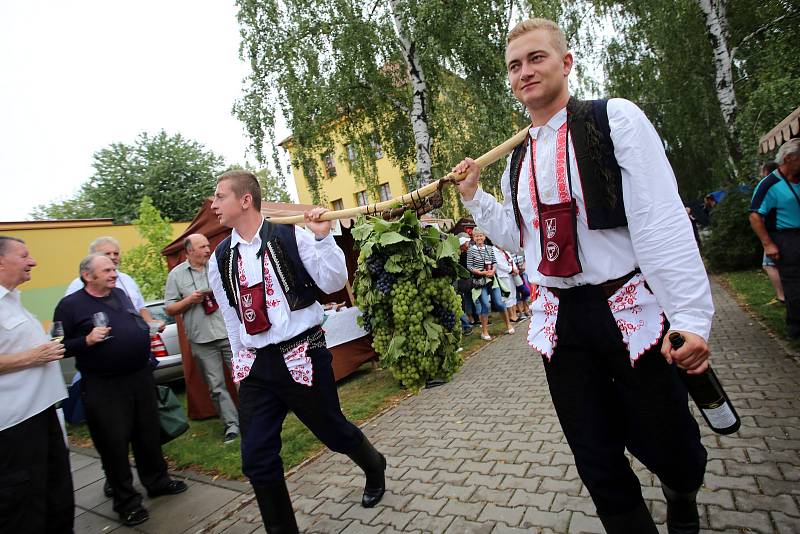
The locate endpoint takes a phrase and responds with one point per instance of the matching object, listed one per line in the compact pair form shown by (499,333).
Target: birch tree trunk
(419,99)
(715,12)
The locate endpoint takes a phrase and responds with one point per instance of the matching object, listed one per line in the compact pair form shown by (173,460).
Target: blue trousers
(487,293)
(265,397)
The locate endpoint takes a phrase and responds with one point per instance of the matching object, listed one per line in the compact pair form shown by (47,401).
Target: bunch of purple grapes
(446,317)
(367,325)
(383,280)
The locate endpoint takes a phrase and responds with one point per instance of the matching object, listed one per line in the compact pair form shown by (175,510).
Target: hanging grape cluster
(404,289)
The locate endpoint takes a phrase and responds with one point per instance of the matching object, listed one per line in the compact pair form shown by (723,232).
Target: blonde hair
(558,39)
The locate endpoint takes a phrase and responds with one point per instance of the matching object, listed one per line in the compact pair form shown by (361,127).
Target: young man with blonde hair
(591,199)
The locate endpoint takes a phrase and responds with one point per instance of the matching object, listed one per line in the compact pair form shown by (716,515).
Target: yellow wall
(58,247)
(343,185)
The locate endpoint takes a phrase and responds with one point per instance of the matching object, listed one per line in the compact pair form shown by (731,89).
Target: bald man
(188,293)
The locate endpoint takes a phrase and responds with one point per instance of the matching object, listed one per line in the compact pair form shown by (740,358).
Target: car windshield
(156,309)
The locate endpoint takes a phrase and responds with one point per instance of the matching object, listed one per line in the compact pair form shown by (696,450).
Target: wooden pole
(485,160)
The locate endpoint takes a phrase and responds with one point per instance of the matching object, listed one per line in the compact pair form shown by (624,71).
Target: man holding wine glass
(118,385)
(35,480)
(188,292)
(109,247)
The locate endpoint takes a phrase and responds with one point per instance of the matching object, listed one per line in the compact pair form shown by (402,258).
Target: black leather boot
(276,508)
(374,465)
(682,515)
(637,521)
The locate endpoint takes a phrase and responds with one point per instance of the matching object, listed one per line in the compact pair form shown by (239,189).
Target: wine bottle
(707,392)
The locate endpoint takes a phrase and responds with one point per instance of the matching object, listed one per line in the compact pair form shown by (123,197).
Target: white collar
(554,123)
(236,238)
(5,291)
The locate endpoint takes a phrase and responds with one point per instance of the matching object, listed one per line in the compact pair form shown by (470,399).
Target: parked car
(164,346)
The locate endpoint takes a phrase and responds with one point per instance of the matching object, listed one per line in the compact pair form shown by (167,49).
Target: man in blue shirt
(775,218)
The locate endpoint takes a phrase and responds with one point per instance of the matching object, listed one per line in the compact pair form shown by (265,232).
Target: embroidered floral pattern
(241,363)
(562,184)
(542,330)
(638,315)
(299,364)
(636,311)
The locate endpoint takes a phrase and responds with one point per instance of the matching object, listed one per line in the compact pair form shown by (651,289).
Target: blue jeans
(487,293)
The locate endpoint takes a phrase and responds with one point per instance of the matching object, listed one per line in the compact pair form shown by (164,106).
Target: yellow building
(58,247)
(339,187)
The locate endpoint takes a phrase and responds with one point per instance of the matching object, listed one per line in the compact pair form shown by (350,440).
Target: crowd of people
(497,282)
(606,265)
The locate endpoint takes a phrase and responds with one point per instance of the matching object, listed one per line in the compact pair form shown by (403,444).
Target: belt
(314,335)
(608,288)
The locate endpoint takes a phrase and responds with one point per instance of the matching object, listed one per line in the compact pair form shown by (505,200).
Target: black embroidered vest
(600,175)
(279,240)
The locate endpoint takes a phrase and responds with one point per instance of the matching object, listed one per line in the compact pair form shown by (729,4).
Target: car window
(159,314)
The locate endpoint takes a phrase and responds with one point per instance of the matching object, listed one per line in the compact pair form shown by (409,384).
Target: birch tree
(424,79)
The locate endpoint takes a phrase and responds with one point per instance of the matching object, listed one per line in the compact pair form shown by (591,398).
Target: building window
(330,164)
(362,199)
(351,152)
(337,204)
(377,149)
(385,192)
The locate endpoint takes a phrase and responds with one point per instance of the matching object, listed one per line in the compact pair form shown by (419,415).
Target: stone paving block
(570,487)
(454,491)
(468,510)
(428,523)
(721,497)
(785,524)
(757,456)
(583,524)
(425,489)
(498,455)
(328,525)
(557,521)
(447,477)
(736,469)
(463,526)
(332,509)
(570,503)
(395,519)
(490,481)
(515,469)
(748,502)
(396,500)
(471,466)
(530,484)
(540,500)
(359,528)
(746,483)
(770,486)
(727,519)
(487,495)
(501,514)
(789,471)
(361,514)
(426,504)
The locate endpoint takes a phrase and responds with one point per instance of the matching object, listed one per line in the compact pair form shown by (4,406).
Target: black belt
(608,288)
(314,335)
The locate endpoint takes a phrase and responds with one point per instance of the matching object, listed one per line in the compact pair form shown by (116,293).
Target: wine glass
(100,319)
(57,331)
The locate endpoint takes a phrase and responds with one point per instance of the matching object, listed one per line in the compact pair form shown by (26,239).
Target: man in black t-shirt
(118,386)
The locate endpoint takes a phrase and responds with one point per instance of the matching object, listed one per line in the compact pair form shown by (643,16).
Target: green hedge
(732,245)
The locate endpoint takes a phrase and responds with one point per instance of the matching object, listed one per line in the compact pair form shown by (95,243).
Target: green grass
(362,395)
(753,289)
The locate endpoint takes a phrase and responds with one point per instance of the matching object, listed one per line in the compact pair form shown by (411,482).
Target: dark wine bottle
(707,392)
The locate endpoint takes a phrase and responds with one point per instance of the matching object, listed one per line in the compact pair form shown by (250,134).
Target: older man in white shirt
(591,199)
(35,480)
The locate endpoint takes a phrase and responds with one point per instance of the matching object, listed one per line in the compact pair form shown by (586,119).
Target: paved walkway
(485,453)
